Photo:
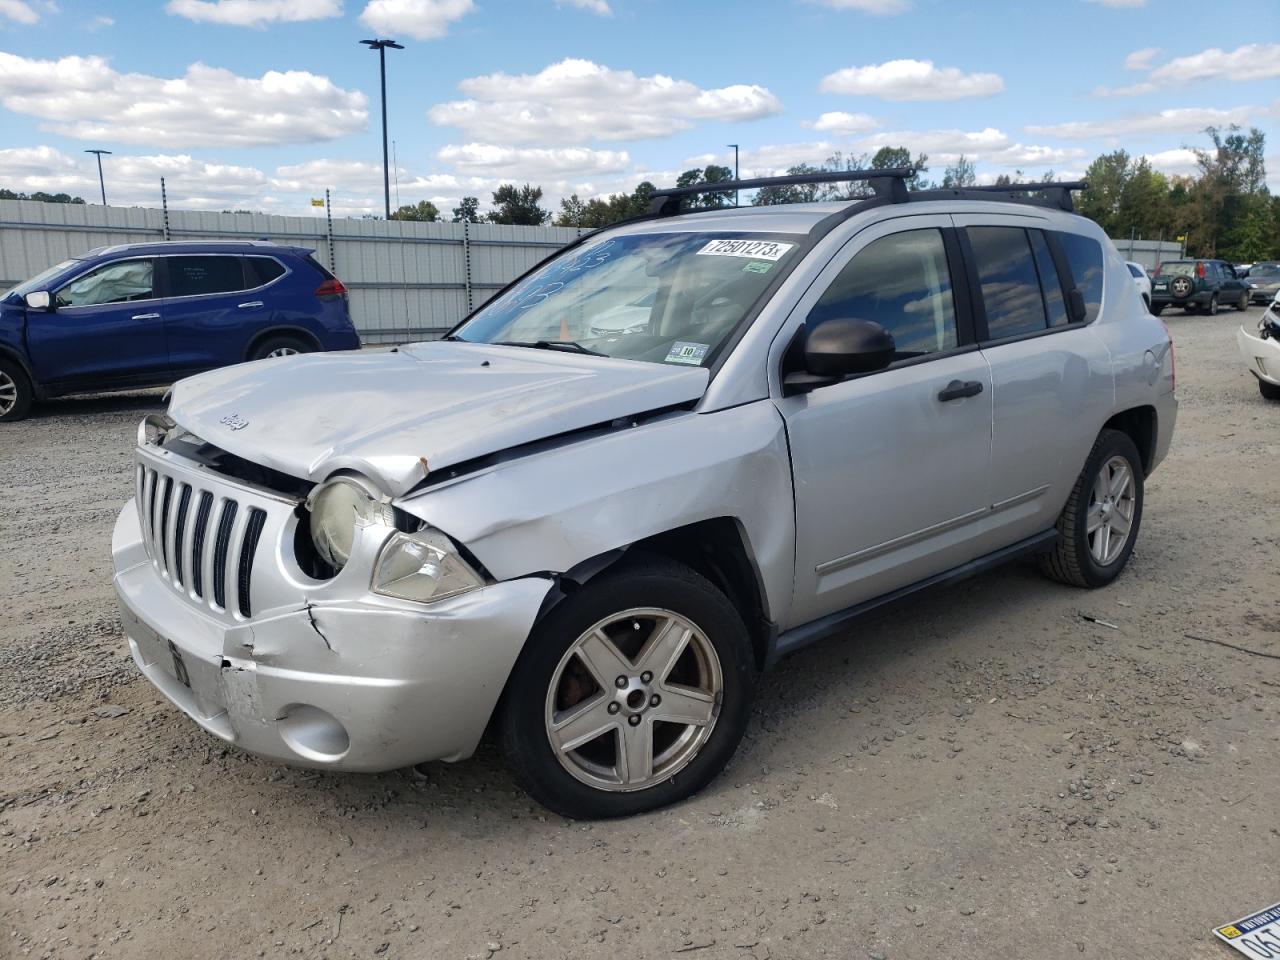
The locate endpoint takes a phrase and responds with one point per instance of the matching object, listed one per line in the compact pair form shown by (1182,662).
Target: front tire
(1099,525)
(1269,391)
(631,694)
(15,392)
(1243,304)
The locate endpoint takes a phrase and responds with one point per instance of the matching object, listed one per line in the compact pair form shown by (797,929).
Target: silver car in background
(674,452)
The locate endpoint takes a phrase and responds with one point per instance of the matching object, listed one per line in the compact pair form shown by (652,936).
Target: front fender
(555,509)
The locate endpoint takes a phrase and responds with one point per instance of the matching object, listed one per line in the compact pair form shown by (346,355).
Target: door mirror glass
(38,300)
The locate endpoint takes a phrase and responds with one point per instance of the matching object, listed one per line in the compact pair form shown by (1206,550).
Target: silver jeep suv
(591,537)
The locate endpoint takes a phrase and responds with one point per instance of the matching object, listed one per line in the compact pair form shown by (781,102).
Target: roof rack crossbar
(1057,193)
(890,184)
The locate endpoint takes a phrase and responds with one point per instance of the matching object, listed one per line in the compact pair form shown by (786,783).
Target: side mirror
(838,348)
(1076,306)
(38,300)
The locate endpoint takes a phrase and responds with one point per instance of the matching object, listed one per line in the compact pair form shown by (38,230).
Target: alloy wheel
(282,352)
(634,699)
(8,393)
(1111,509)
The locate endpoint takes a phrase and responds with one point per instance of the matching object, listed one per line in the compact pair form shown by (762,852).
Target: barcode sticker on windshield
(754,249)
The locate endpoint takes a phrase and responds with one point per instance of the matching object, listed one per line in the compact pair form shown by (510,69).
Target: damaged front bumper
(356,682)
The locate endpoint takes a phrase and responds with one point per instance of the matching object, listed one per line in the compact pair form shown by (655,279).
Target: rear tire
(570,729)
(15,392)
(1085,557)
(1213,306)
(1158,309)
(280,347)
(1269,391)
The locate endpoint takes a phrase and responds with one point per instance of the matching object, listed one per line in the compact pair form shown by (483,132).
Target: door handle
(146,316)
(251,303)
(958,389)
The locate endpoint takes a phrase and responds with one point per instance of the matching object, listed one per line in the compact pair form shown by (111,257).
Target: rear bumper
(1262,357)
(362,684)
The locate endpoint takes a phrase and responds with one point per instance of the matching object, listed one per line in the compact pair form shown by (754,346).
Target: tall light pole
(381,46)
(101,183)
(735,170)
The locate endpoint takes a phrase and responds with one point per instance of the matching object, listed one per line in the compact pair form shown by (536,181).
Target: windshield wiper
(570,345)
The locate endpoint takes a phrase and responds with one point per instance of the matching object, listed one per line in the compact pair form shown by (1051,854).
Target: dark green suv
(1198,285)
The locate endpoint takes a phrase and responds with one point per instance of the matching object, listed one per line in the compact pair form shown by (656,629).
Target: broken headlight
(422,566)
(338,508)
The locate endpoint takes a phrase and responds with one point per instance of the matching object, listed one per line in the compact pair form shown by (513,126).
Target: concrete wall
(407,280)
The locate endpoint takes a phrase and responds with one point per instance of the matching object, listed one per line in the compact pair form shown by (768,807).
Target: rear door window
(1055,304)
(1008,280)
(259,271)
(1084,254)
(195,276)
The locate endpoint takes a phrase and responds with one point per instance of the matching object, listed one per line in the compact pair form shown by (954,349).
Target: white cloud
(19,11)
(880,8)
(1176,120)
(85,98)
(98,23)
(911,80)
(532,163)
(1179,162)
(1141,59)
(1253,61)
(419,19)
(932,142)
(599,7)
(254,13)
(134,180)
(573,100)
(1033,155)
(841,124)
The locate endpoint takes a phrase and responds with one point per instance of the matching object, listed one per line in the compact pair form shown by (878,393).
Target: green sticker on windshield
(757,266)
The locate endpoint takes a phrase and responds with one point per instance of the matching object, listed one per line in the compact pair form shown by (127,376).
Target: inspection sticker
(755,249)
(1256,936)
(682,352)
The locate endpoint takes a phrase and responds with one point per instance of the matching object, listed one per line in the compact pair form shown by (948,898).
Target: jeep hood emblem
(234,421)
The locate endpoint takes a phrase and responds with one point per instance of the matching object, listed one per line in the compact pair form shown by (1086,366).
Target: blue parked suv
(148,314)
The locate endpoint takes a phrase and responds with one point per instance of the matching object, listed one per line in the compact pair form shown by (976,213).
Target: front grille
(201,541)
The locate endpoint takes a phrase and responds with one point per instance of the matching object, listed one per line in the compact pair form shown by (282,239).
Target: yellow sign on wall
(315,202)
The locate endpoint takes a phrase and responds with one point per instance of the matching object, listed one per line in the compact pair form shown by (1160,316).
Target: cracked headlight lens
(422,566)
(338,508)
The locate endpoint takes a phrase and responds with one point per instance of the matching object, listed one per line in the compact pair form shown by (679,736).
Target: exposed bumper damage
(361,684)
(1261,356)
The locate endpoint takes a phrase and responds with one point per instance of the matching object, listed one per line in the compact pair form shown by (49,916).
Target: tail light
(1200,270)
(331,288)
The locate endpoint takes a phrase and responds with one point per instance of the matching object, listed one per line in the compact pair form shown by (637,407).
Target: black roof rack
(890,184)
(1056,194)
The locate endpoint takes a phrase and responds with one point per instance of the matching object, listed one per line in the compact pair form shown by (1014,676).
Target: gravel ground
(986,772)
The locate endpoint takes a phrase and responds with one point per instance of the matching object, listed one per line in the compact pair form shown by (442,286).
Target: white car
(1261,350)
(1143,281)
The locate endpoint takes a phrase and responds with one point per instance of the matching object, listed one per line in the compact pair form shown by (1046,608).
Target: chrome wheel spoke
(1119,481)
(664,647)
(602,658)
(1094,518)
(635,752)
(685,705)
(582,723)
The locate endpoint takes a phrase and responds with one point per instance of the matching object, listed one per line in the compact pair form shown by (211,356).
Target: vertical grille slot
(252,533)
(152,478)
(221,545)
(197,542)
(180,533)
(166,499)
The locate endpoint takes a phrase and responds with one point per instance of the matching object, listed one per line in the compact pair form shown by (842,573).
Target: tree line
(1223,209)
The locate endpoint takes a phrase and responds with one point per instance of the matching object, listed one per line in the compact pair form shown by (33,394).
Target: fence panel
(407,280)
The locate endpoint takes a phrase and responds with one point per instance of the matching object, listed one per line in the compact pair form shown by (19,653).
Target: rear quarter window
(259,271)
(1084,254)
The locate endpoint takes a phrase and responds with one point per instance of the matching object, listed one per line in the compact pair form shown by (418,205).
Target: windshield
(37,282)
(1268,270)
(660,298)
(1179,268)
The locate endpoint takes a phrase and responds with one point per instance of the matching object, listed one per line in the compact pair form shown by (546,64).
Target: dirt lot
(983,773)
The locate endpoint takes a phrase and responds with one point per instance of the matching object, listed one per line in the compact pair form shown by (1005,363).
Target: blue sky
(264,103)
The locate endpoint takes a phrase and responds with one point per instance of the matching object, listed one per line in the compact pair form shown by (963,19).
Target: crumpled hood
(383,414)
